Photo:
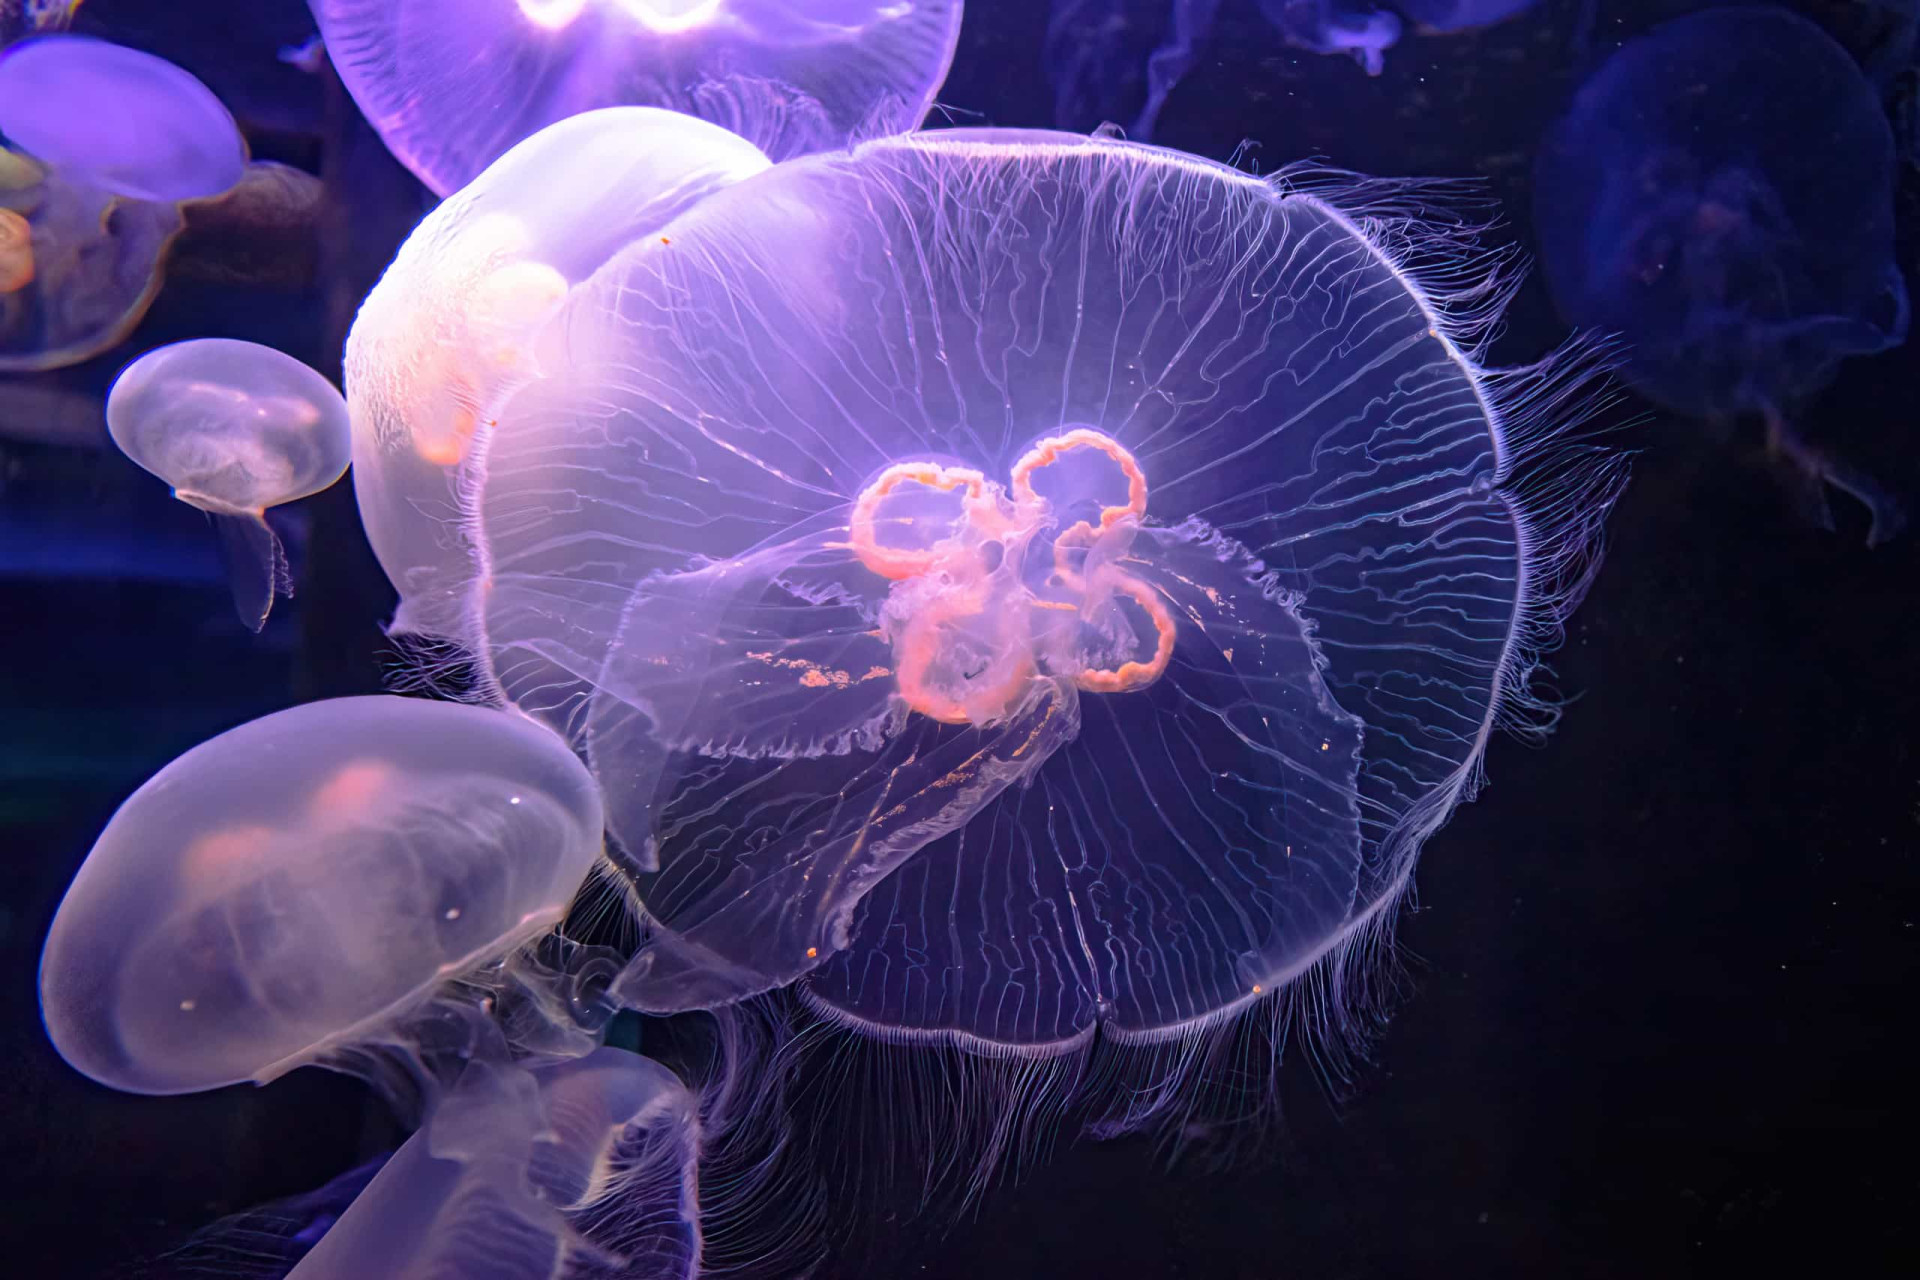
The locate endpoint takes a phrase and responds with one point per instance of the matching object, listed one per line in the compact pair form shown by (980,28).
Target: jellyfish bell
(450,328)
(453,84)
(587,1168)
(78,268)
(117,120)
(1056,585)
(1720,195)
(315,887)
(234,428)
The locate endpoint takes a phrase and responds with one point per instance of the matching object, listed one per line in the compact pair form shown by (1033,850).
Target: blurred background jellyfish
(89,194)
(446,333)
(452,84)
(1019,585)
(234,428)
(1118,60)
(1720,195)
(342,883)
(587,1169)
(155,132)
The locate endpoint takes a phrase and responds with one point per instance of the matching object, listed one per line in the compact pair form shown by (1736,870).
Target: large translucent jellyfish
(445,335)
(588,1169)
(234,428)
(89,198)
(1018,584)
(322,885)
(1720,195)
(1104,56)
(452,84)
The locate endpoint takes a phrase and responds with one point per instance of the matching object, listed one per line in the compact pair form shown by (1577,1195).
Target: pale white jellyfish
(452,84)
(586,1169)
(446,334)
(333,884)
(235,428)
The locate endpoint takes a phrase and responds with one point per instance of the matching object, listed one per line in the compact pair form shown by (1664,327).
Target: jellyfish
(1719,194)
(445,334)
(115,119)
(1011,586)
(90,198)
(1104,53)
(234,428)
(450,86)
(587,1169)
(352,883)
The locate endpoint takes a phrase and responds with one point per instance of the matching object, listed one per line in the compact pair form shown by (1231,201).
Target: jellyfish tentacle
(1818,469)
(256,563)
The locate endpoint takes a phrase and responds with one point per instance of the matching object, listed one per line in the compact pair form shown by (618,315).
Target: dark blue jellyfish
(1104,55)
(1720,196)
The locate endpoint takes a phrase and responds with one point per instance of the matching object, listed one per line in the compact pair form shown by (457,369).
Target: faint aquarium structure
(356,883)
(1720,195)
(453,84)
(587,1169)
(1118,60)
(90,200)
(1013,586)
(234,428)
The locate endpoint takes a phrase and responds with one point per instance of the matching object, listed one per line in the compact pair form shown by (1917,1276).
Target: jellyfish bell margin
(974,825)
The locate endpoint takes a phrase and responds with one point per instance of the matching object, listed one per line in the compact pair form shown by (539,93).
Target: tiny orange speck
(812,952)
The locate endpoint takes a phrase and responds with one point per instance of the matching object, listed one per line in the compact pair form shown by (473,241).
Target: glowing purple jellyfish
(452,84)
(1016,585)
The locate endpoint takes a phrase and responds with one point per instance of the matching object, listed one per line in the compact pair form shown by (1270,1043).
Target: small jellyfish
(117,120)
(323,885)
(1106,54)
(234,428)
(1720,195)
(90,195)
(448,330)
(452,84)
(587,1169)
(1014,585)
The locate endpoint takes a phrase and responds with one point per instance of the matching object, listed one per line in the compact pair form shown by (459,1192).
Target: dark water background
(1661,973)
